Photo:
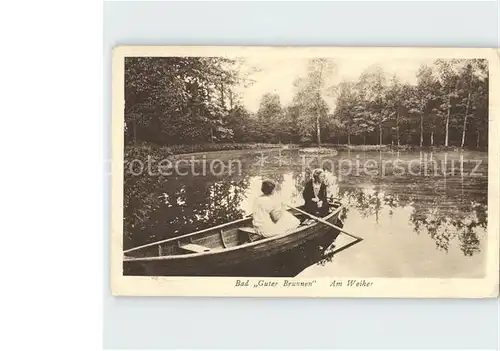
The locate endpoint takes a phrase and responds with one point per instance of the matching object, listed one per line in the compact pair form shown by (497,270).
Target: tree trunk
(421,130)
(465,119)
(318,106)
(432,138)
(477,140)
(318,130)
(380,139)
(448,115)
(447,121)
(222,102)
(348,138)
(364,138)
(231,101)
(397,126)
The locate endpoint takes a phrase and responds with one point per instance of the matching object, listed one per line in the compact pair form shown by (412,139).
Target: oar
(325,222)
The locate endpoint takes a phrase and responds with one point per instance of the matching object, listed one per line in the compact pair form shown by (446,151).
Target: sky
(277,75)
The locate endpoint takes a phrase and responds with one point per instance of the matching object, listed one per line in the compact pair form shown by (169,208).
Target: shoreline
(196,149)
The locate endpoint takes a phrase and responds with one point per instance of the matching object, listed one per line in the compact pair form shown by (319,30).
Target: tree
(395,98)
(423,97)
(370,113)
(270,116)
(310,96)
(479,104)
(178,99)
(344,111)
(472,90)
(377,100)
(449,84)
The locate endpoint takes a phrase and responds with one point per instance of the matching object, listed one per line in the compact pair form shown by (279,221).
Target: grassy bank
(187,149)
(345,147)
(196,148)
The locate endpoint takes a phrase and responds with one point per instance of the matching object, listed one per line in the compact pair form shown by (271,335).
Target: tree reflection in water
(441,218)
(446,208)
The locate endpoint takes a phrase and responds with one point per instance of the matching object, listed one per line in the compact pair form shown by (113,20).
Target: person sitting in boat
(270,216)
(315,194)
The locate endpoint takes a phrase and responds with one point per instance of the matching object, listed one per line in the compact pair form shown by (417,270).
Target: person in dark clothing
(315,195)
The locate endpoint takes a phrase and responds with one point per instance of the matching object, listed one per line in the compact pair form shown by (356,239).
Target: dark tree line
(193,100)
(180,100)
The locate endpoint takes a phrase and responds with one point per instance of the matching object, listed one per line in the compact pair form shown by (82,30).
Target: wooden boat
(221,247)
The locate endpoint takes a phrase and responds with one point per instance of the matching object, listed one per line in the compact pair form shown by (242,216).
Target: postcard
(305,172)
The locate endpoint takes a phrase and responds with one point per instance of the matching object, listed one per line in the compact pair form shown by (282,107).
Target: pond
(420,213)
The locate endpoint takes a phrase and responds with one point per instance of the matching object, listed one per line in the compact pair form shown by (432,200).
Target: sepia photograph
(313,172)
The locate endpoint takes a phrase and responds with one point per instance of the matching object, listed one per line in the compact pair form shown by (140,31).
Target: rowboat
(222,247)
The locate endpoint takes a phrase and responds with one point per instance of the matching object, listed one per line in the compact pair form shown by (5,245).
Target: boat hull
(232,261)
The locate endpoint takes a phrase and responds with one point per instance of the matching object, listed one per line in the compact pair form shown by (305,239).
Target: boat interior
(212,239)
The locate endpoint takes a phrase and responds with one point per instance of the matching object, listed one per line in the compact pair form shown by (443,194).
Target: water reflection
(441,220)
(448,205)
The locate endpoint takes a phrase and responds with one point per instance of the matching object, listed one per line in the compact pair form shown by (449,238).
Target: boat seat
(248,230)
(195,248)
(249,233)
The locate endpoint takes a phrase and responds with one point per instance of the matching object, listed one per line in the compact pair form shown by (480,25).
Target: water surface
(421,214)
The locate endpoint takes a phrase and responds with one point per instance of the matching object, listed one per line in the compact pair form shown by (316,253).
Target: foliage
(180,99)
(447,106)
(194,100)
